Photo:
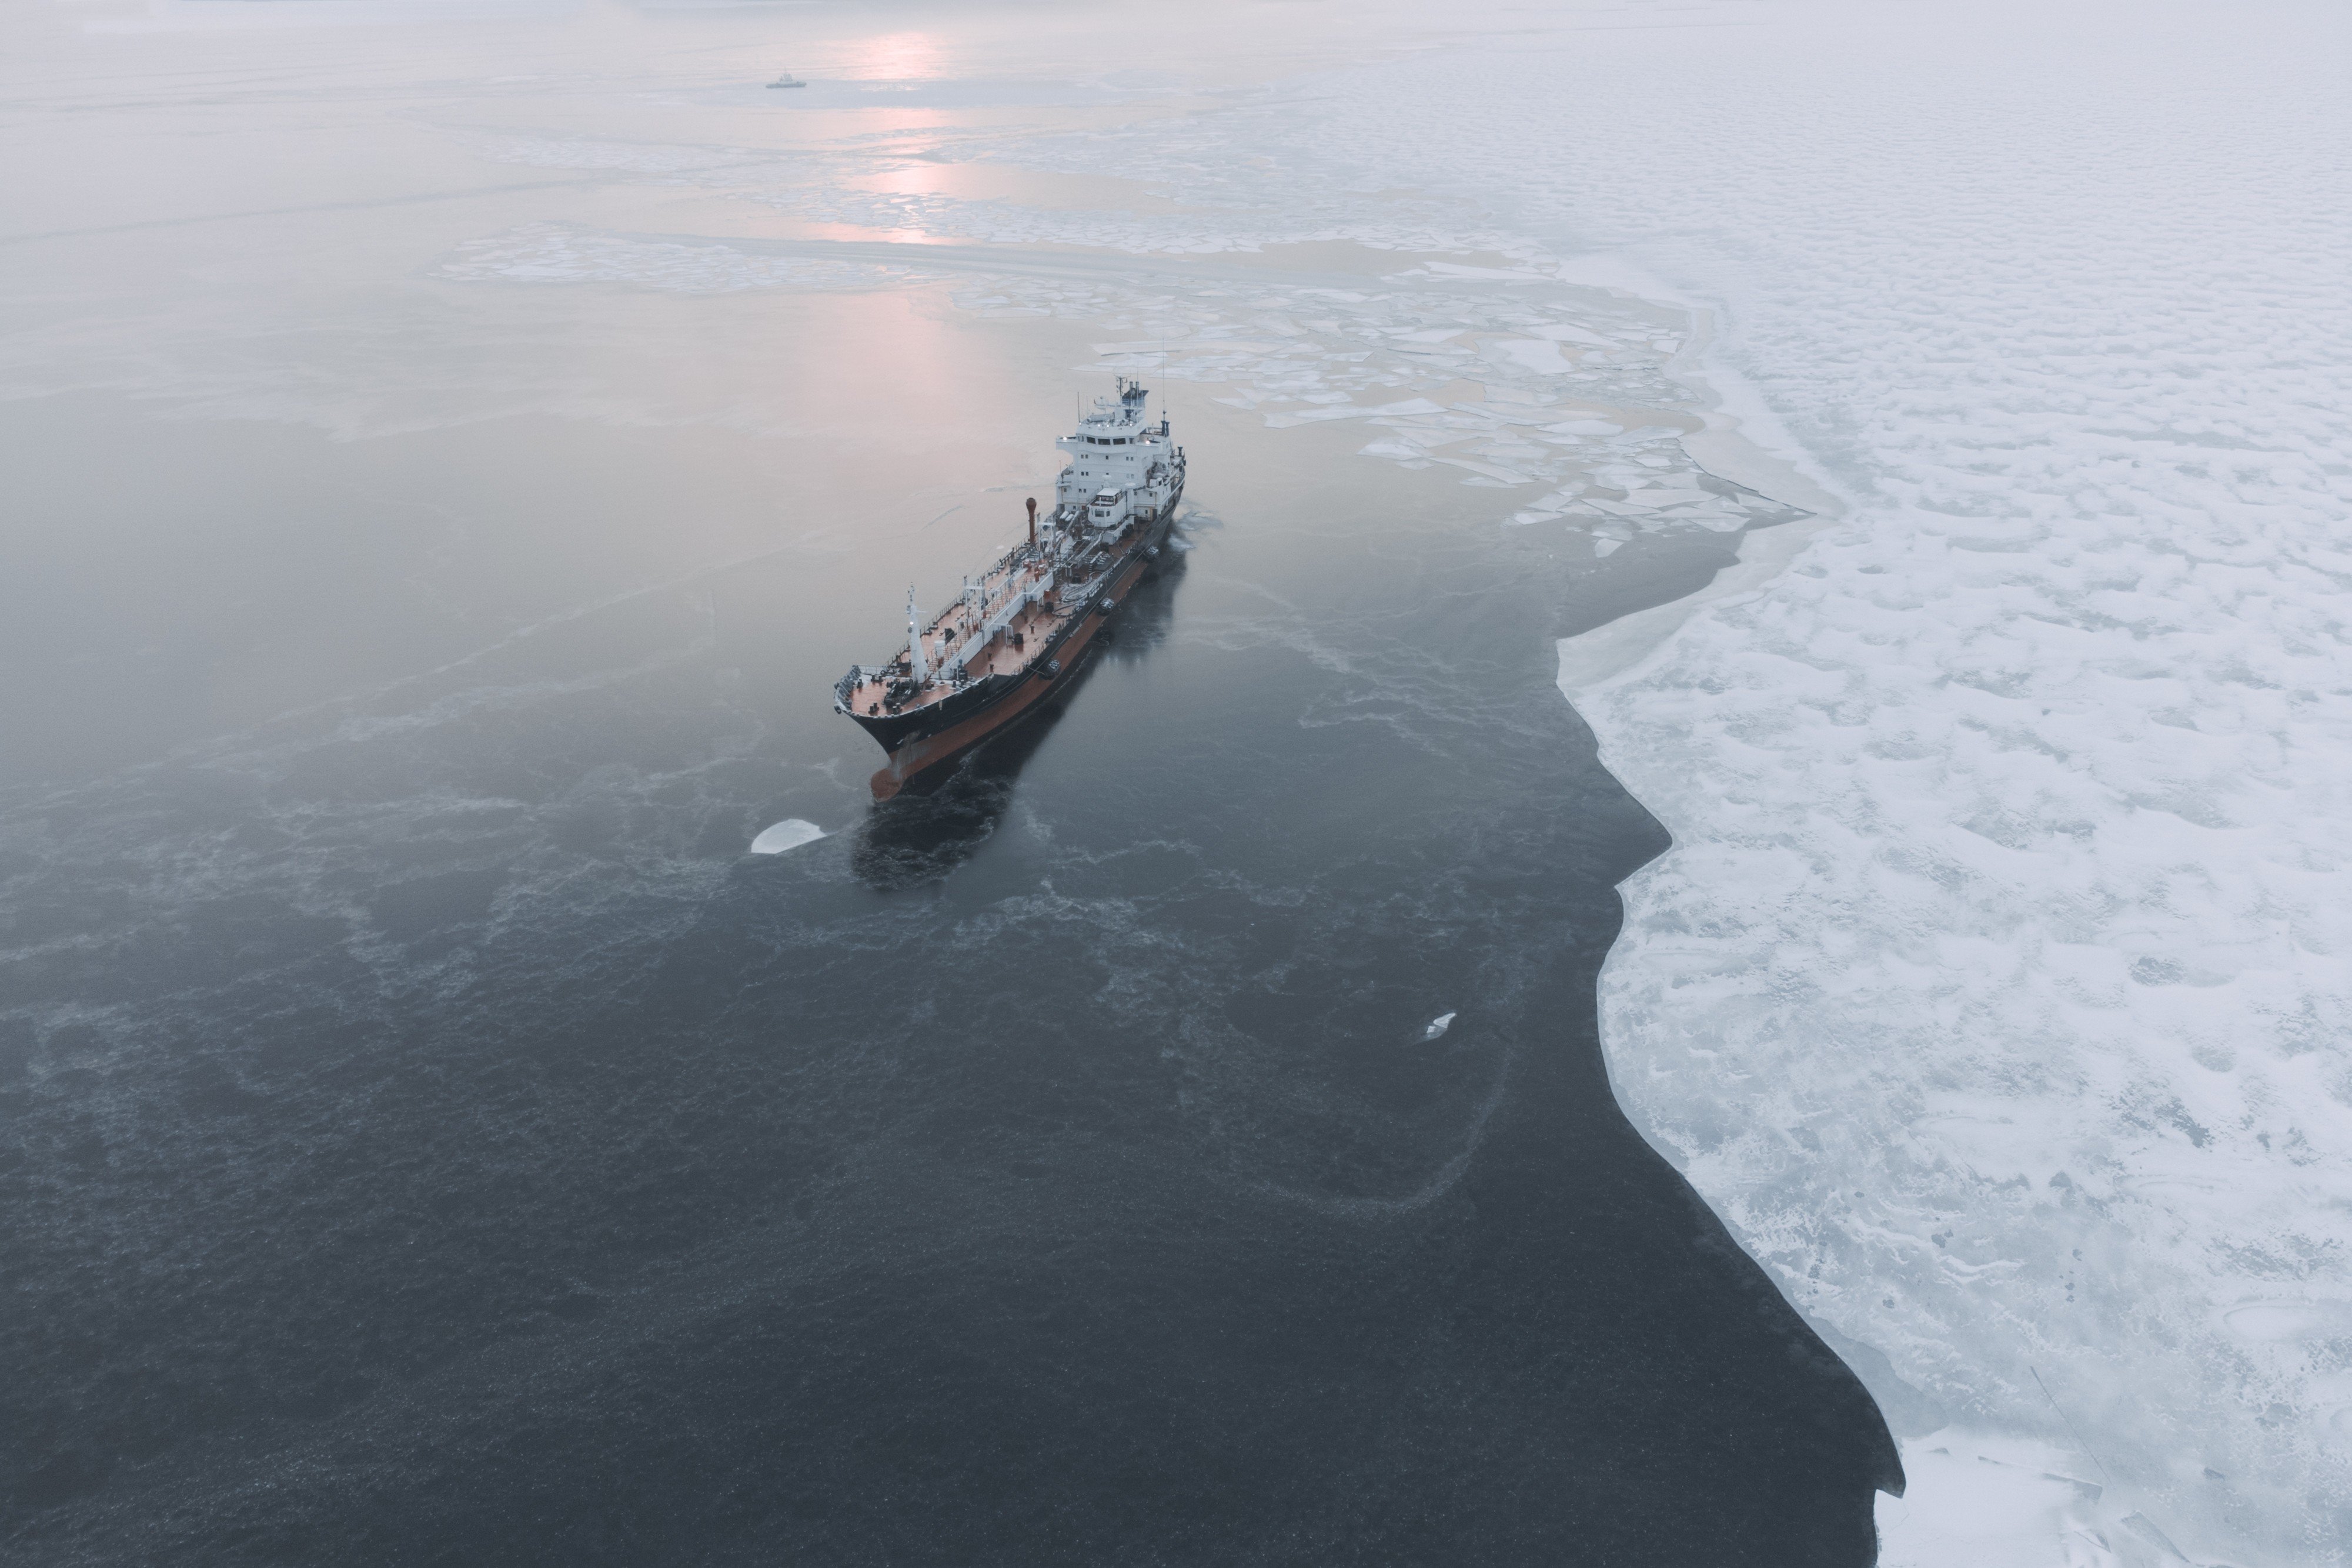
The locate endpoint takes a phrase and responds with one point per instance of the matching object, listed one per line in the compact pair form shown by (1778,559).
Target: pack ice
(1996,989)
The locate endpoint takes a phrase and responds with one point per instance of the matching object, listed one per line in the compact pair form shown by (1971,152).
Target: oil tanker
(1016,636)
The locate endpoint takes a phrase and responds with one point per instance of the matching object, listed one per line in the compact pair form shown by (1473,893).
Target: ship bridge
(1119,467)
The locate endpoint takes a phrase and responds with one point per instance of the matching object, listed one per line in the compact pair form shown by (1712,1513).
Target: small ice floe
(789,834)
(1537,354)
(1438,1026)
(1561,332)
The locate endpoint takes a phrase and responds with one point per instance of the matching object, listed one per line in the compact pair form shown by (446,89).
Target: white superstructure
(1119,467)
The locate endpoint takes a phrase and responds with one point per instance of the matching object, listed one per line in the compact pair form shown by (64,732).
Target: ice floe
(789,834)
(1311,356)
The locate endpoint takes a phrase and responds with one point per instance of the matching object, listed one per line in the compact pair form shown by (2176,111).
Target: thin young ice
(1996,991)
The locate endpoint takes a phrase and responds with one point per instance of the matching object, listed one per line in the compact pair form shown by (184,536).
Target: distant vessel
(1017,632)
(787,79)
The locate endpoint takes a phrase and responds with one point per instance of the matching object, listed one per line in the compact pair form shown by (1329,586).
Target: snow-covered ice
(1997,990)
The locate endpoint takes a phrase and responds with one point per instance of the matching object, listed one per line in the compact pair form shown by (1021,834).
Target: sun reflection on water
(896,56)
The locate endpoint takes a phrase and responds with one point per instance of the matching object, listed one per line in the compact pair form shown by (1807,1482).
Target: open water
(432,1138)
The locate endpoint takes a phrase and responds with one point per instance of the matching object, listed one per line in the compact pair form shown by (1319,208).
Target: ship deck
(1035,625)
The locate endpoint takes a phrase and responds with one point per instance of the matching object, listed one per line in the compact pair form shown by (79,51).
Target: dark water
(429,1138)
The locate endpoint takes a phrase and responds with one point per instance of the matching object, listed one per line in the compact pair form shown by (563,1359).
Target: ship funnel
(1032,522)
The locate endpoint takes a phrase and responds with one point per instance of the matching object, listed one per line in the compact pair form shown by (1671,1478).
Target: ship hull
(923,747)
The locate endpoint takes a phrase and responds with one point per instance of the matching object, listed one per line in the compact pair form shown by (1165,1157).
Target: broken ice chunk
(1438,1026)
(789,834)
(1537,354)
(1565,334)
(1487,473)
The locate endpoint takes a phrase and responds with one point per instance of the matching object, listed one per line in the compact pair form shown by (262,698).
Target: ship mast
(920,669)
